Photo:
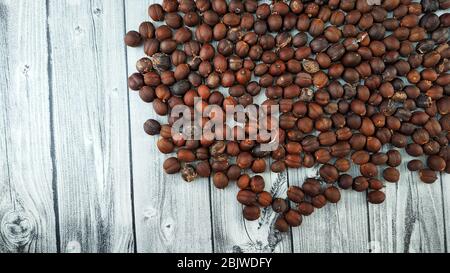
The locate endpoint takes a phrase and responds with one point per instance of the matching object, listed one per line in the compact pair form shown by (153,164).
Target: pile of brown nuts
(350,77)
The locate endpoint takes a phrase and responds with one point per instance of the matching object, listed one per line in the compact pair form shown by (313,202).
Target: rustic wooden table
(79,174)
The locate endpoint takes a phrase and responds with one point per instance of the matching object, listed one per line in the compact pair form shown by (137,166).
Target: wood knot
(18,228)
(97,11)
(73,247)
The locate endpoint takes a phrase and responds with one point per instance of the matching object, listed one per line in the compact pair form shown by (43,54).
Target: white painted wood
(336,228)
(90,120)
(232,233)
(171,215)
(412,218)
(445,183)
(91,128)
(27,217)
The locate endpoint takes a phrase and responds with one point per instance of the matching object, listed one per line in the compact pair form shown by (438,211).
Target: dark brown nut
(295,194)
(165,146)
(312,187)
(280,205)
(375,184)
(252,213)
(152,127)
(172,165)
(319,201)
(342,164)
(220,163)
(369,170)
(379,158)
(340,150)
(415,165)
(436,163)
(360,184)
(433,127)
(185,155)
(329,173)
(147,94)
(293,218)
(358,142)
(360,157)
(428,176)
(376,197)
(133,39)
(278,166)
(373,144)
(264,199)
(203,169)
(394,158)
(244,160)
(345,181)
(220,180)
(135,81)
(391,175)
(332,194)
(156,12)
(293,161)
(281,225)
(305,208)
(233,173)
(144,65)
(257,184)
(327,138)
(243,182)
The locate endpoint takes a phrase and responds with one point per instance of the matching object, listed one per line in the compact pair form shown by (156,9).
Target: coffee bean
(220,180)
(172,165)
(305,208)
(136,81)
(391,175)
(252,213)
(152,127)
(332,194)
(428,176)
(133,39)
(280,205)
(282,225)
(376,197)
(344,116)
(293,218)
(295,194)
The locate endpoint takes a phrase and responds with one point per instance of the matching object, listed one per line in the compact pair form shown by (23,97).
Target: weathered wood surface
(171,215)
(27,215)
(90,122)
(79,174)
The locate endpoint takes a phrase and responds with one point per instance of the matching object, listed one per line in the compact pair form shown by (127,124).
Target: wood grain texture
(27,217)
(445,183)
(232,233)
(65,177)
(411,219)
(91,128)
(171,215)
(336,228)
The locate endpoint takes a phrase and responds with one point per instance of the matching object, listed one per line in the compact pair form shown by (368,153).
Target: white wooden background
(78,173)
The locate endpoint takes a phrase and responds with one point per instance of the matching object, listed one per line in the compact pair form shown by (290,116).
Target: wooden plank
(91,125)
(336,228)
(411,219)
(445,181)
(232,233)
(27,214)
(171,215)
